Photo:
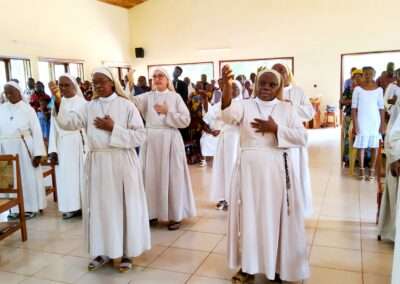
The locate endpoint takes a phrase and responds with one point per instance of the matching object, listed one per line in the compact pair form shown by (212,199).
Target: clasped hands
(106,123)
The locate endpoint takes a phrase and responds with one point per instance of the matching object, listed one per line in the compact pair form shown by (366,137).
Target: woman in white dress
(115,208)
(266,232)
(368,119)
(66,150)
(20,133)
(227,153)
(294,95)
(166,174)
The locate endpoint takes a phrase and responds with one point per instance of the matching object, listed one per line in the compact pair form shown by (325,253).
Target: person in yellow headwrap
(345,106)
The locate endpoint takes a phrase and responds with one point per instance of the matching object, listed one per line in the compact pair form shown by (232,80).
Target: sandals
(173,226)
(98,262)
(371,176)
(242,277)
(125,265)
(361,174)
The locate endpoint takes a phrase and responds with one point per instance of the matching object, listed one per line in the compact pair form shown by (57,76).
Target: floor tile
(197,241)
(336,258)
(330,276)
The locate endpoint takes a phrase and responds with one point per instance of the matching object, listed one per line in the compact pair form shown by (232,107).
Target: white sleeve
(73,119)
(354,99)
(38,148)
(381,104)
(131,135)
(234,113)
(305,110)
(180,118)
(294,135)
(53,135)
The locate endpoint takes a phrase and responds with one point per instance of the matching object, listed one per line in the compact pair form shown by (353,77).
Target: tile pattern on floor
(341,237)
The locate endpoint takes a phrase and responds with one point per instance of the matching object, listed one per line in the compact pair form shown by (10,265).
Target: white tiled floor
(341,236)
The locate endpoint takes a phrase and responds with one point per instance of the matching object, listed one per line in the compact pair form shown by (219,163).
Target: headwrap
(170,85)
(356,72)
(264,70)
(78,90)
(117,85)
(15,85)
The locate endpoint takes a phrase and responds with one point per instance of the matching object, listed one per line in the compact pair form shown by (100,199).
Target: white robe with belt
(115,208)
(225,159)
(390,200)
(266,220)
(306,112)
(387,215)
(166,174)
(16,120)
(69,146)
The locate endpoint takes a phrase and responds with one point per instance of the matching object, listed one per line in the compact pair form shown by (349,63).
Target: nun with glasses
(167,178)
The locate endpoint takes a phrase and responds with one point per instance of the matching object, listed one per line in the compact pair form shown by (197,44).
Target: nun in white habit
(166,174)
(295,96)
(227,153)
(115,208)
(266,232)
(66,149)
(20,133)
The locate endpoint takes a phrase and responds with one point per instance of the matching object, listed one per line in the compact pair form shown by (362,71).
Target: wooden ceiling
(128,4)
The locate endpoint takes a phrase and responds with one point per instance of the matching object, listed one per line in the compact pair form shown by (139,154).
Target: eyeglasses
(155,76)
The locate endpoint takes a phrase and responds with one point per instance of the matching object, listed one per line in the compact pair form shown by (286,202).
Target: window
(191,70)
(377,59)
(52,69)
(120,71)
(248,66)
(14,68)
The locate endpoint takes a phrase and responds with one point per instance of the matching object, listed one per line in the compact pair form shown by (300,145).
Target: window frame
(65,62)
(26,62)
(182,65)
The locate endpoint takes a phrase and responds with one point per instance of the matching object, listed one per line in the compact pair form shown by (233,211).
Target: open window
(14,68)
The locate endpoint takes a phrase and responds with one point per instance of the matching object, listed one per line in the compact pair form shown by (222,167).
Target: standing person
(166,174)
(29,90)
(38,95)
(115,208)
(391,93)
(20,134)
(247,90)
(190,86)
(66,150)
(294,95)
(182,89)
(266,232)
(368,118)
(387,215)
(387,76)
(348,82)
(217,93)
(227,153)
(345,104)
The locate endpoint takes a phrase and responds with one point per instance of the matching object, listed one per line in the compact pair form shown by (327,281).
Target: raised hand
(105,123)
(265,126)
(161,108)
(227,79)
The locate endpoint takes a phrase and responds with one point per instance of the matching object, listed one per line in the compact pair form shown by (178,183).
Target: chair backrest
(10,175)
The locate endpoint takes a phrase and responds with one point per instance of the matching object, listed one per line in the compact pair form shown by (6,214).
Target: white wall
(315,32)
(71,29)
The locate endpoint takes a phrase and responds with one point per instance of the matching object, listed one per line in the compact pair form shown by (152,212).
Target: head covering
(264,70)
(170,85)
(356,72)
(117,85)
(15,85)
(76,86)
(240,89)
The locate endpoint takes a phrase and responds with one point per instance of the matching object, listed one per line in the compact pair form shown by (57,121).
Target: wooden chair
(12,188)
(330,119)
(50,171)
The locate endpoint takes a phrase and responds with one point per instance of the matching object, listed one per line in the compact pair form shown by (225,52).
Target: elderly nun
(115,207)
(20,133)
(266,232)
(166,174)
(66,149)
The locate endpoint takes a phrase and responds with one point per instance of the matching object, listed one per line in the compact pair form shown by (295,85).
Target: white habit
(166,174)
(115,208)
(266,220)
(225,159)
(305,112)
(16,120)
(69,146)
(209,142)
